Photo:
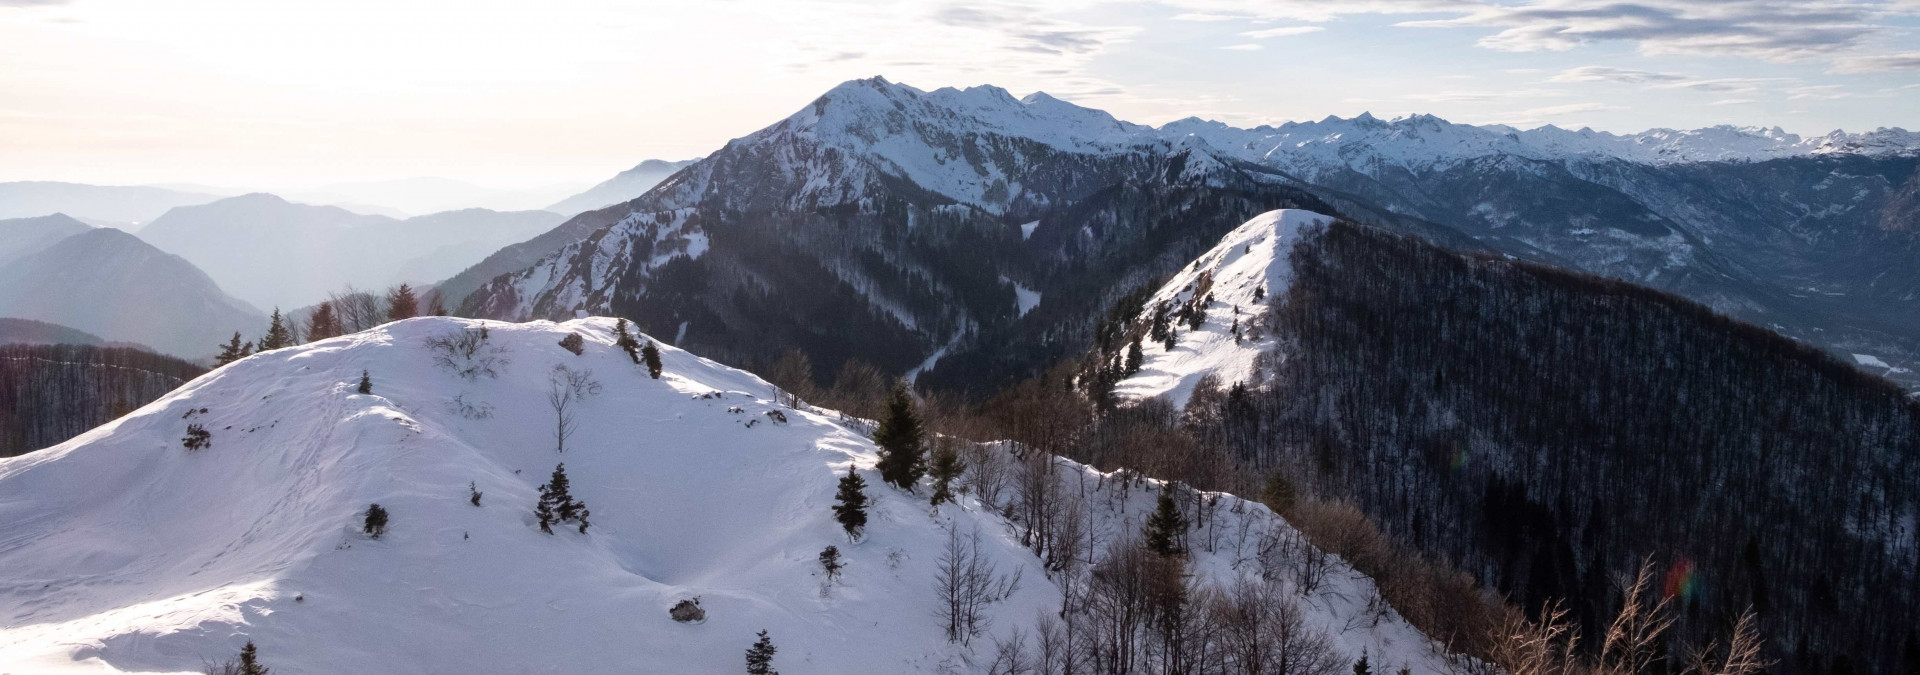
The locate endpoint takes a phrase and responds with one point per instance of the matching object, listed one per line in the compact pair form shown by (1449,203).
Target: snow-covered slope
(1247,269)
(122,551)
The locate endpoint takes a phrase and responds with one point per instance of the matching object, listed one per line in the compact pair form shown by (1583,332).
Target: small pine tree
(473,493)
(1260,293)
(945,467)
(760,656)
(232,351)
(198,438)
(557,504)
(250,661)
(1166,529)
(366,383)
(278,336)
(850,507)
(651,355)
(1135,356)
(626,342)
(401,304)
(1360,667)
(899,438)
(1236,330)
(830,563)
(376,523)
(574,343)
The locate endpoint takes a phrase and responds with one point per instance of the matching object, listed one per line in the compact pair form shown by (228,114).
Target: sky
(292,93)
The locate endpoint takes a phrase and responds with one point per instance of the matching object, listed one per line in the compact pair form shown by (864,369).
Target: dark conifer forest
(1550,430)
(50,393)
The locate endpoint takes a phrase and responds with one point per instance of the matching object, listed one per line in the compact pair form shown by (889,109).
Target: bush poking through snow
(574,343)
(474,493)
(466,353)
(366,383)
(198,438)
(830,563)
(376,523)
(688,611)
(760,656)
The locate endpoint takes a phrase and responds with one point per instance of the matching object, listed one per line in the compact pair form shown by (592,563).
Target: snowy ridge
(126,552)
(1250,261)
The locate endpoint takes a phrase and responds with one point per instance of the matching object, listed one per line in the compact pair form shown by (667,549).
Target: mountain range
(917,221)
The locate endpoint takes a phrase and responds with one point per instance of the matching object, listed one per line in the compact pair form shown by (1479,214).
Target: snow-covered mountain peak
(1231,284)
(127,551)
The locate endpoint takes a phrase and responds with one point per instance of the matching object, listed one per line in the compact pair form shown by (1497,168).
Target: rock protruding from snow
(120,550)
(1241,274)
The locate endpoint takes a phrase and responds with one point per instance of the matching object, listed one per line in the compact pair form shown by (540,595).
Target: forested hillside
(50,393)
(1550,430)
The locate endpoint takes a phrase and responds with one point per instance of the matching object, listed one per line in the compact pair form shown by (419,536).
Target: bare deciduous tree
(566,390)
(967,581)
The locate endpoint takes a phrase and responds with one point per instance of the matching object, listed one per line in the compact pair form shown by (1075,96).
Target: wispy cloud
(1877,62)
(1208,18)
(1247,47)
(1774,30)
(1611,74)
(1281,32)
(1733,101)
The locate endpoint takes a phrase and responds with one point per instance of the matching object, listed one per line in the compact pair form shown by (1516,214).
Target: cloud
(1733,101)
(1481,96)
(1281,32)
(1610,74)
(1248,47)
(1817,92)
(1204,17)
(31,3)
(1026,29)
(1774,30)
(1726,84)
(1877,62)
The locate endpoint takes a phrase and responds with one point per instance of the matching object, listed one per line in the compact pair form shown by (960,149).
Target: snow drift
(120,550)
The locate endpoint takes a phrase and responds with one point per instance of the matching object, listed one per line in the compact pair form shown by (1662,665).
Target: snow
(1870,360)
(1251,257)
(1026,230)
(124,552)
(1026,298)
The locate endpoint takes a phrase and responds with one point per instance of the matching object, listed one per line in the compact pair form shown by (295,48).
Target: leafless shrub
(967,581)
(467,353)
(566,390)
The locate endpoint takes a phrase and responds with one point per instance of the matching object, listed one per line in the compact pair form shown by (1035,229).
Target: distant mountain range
(273,252)
(112,284)
(622,187)
(124,205)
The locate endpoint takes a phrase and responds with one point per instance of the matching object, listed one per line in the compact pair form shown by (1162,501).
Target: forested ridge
(1549,430)
(50,393)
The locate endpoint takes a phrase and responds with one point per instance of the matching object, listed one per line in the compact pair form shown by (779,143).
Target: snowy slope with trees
(234,511)
(1209,319)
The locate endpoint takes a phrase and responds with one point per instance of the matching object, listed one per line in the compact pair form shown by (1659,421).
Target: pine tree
(250,661)
(324,323)
(232,351)
(1166,529)
(1135,356)
(1260,293)
(945,467)
(850,509)
(651,355)
(626,342)
(401,304)
(277,334)
(830,563)
(899,438)
(557,504)
(473,493)
(1360,667)
(760,656)
(376,523)
(366,383)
